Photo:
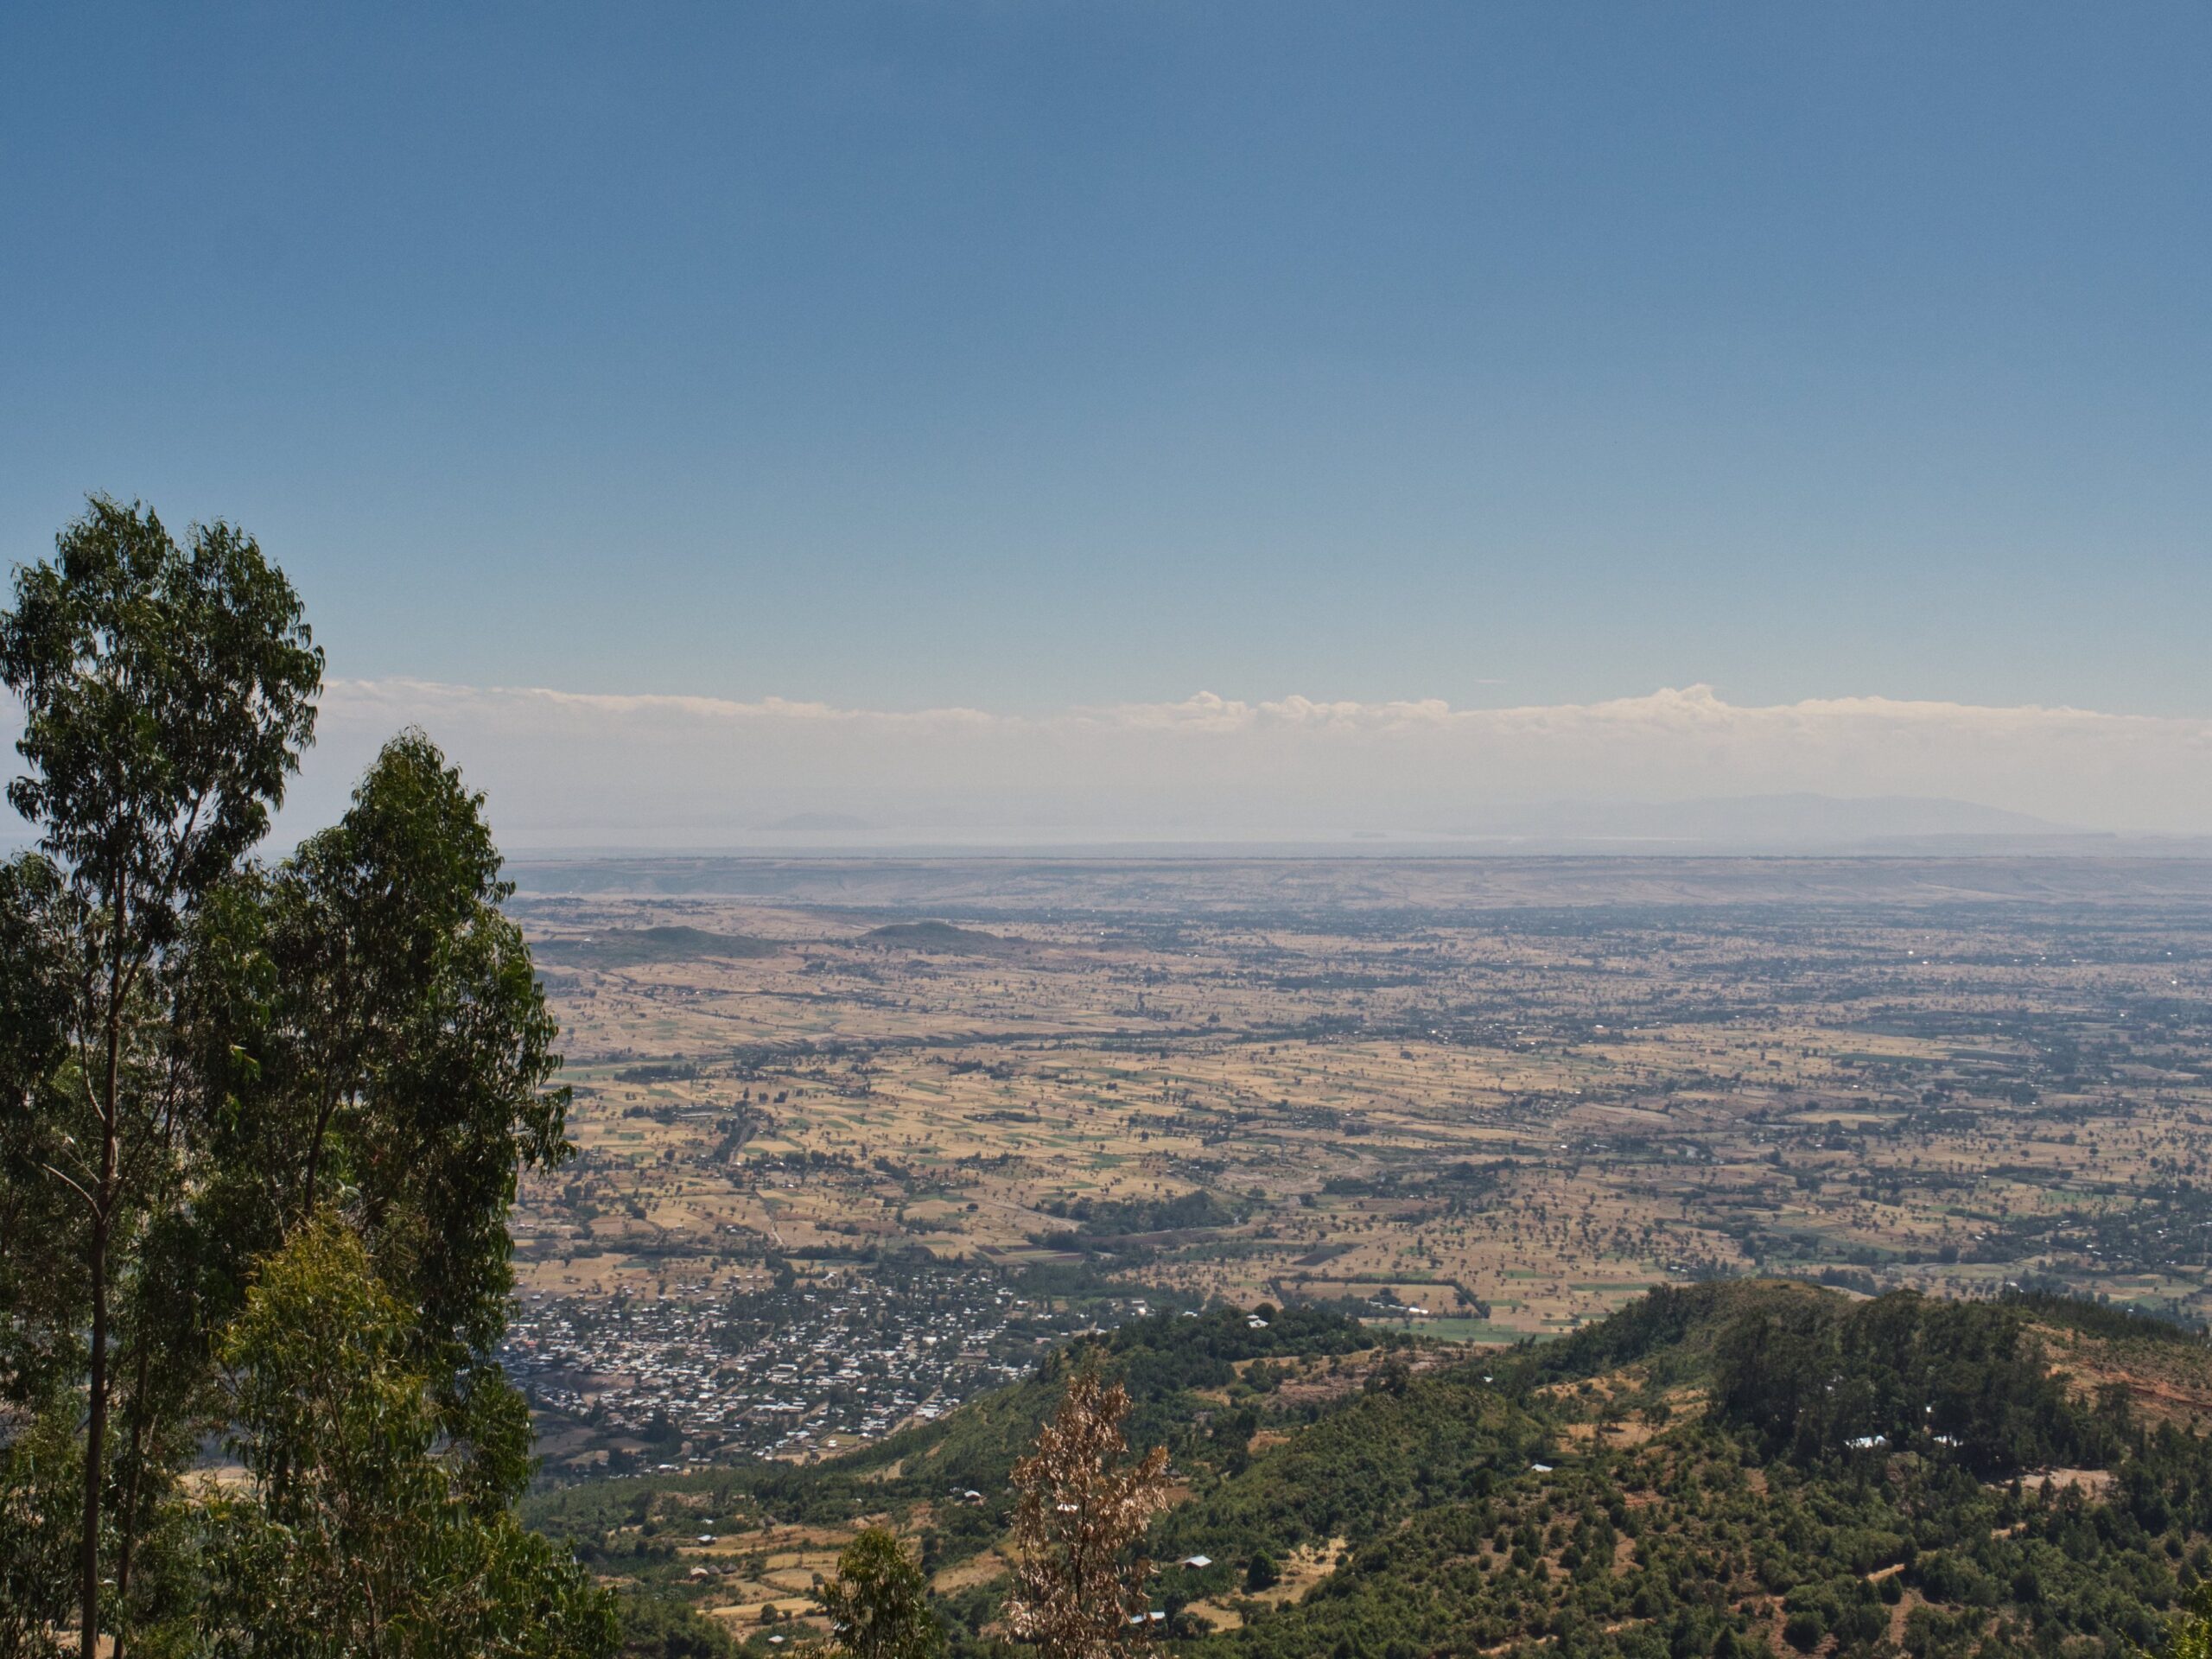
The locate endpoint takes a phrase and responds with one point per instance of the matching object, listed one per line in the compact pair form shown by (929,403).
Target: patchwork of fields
(1482,1104)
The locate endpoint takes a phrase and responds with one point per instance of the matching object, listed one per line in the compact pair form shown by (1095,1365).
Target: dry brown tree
(1079,1590)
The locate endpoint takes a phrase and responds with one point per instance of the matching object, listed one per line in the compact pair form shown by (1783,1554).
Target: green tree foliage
(2189,1637)
(1703,1540)
(167,692)
(879,1603)
(361,1535)
(660,1627)
(200,1057)
(379,1043)
(1815,1379)
(42,1465)
(41,1281)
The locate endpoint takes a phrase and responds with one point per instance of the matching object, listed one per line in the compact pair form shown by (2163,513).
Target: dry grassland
(1513,1121)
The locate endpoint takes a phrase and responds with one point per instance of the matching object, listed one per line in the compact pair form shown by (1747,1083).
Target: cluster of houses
(679,1380)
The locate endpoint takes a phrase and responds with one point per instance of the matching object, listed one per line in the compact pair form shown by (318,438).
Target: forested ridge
(1756,1464)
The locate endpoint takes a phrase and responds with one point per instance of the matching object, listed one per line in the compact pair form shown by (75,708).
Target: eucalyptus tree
(362,1535)
(167,690)
(371,1021)
(2190,1636)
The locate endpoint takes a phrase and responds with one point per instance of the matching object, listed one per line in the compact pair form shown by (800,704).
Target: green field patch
(1454,1329)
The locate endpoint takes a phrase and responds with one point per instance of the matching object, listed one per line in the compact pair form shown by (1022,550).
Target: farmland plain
(1480,1099)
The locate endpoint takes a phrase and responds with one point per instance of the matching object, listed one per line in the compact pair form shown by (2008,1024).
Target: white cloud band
(575,769)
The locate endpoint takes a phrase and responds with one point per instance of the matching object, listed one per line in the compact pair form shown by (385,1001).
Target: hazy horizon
(574,771)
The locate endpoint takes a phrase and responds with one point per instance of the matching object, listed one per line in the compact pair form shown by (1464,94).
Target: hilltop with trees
(1748,1466)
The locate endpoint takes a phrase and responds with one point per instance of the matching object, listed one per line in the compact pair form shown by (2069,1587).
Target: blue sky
(1027,356)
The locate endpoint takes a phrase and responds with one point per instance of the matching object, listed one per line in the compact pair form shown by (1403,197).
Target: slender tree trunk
(136,1460)
(329,1109)
(103,1214)
(95,1440)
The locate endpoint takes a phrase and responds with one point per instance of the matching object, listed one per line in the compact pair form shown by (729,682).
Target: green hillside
(1753,1465)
